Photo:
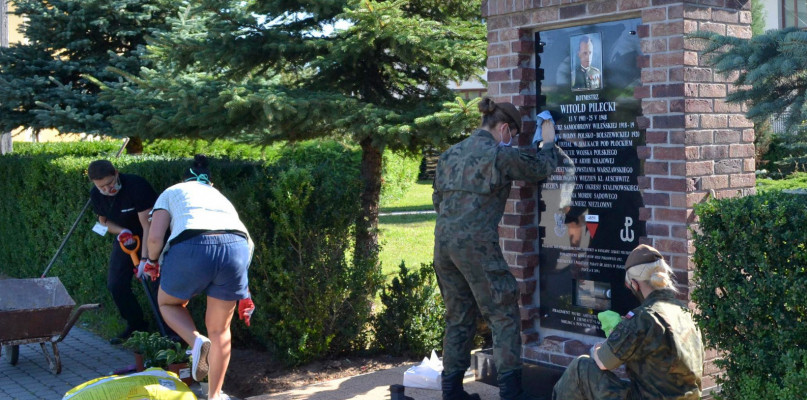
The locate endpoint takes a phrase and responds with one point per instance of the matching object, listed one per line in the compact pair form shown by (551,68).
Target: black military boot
(510,387)
(452,387)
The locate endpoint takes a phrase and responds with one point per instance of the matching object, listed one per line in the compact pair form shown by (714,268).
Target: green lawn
(407,237)
(417,198)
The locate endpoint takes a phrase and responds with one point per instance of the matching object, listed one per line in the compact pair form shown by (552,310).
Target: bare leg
(217,319)
(176,315)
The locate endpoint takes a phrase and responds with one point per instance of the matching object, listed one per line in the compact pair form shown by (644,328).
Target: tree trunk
(6,145)
(367,225)
(135,145)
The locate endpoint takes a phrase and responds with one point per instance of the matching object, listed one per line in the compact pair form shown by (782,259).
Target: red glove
(152,269)
(126,237)
(245,309)
(140,269)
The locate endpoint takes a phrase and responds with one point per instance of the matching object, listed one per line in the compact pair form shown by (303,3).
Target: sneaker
(222,396)
(199,366)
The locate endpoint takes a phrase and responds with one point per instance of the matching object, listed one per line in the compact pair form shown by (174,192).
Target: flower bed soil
(253,373)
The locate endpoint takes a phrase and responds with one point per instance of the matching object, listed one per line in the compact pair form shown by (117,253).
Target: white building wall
(773,14)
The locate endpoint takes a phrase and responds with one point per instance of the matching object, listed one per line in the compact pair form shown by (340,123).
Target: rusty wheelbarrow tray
(36,311)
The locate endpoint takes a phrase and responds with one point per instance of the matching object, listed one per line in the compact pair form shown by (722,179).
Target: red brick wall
(696,144)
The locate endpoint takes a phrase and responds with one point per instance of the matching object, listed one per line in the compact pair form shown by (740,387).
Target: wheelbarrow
(36,311)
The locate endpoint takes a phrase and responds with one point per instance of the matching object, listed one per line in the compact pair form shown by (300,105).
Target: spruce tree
(288,70)
(43,82)
(771,73)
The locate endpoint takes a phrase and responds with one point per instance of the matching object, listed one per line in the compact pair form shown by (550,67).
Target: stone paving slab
(374,386)
(84,356)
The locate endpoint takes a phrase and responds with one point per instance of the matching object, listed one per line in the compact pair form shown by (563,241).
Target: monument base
(538,378)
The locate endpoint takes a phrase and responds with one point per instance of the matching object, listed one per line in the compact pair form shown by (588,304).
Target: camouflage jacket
(661,348)
(472,183)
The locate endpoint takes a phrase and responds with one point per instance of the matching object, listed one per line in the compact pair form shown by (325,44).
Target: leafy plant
(157,350)
(176,355)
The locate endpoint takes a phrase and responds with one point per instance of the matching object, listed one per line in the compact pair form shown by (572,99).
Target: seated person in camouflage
(471,187)
(657,342)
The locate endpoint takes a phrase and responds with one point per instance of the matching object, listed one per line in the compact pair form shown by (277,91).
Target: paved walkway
(84,356)
(374,386)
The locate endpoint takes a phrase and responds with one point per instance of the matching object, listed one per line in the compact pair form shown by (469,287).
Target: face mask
(509,142)
(112,192)
(638,294)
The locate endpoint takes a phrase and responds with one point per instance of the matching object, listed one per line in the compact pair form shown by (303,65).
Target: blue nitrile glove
(541,134)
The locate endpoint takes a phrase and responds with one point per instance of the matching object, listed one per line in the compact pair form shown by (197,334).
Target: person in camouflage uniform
(471,186)
(657,342)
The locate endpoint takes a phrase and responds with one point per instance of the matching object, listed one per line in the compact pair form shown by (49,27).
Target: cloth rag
(544,115)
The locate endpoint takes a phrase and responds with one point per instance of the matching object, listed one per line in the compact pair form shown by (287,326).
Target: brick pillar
(696,144)
(511,78)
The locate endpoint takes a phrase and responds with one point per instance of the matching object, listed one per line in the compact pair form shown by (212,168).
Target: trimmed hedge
(312,299)
(178,148)
(751,257)
(399,174)
(87,149)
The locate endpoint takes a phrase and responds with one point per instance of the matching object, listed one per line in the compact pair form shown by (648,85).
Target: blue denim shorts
(212,264)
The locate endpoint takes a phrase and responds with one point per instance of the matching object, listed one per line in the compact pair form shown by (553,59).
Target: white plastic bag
(426,375)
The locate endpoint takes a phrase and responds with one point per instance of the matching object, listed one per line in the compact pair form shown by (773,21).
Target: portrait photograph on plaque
(589,219)
(587,71)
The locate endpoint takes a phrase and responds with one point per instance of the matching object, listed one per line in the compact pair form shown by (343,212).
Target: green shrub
(400,172)
(796,180)
(185,148)
(789,384)
(318,299)
(300,208)
(412,321)
(751,275)
(106,148)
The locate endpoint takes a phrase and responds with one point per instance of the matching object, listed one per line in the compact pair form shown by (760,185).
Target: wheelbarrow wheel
(13,353)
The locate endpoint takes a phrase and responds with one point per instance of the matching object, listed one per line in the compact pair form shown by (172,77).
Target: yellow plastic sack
(151,384)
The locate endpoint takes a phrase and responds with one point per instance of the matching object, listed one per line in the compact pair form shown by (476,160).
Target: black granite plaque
(590,218)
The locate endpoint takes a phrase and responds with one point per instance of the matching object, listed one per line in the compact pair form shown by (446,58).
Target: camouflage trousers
(584,380)
(474,278)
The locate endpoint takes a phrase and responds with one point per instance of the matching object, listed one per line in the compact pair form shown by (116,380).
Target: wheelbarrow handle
(73,318)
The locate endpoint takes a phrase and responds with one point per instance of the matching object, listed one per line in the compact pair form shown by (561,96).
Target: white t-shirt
(198,206)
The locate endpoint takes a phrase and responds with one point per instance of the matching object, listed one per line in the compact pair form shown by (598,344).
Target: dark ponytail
(199,171)
(494,113)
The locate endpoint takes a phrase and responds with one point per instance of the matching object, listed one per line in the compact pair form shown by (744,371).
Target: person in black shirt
(123,203)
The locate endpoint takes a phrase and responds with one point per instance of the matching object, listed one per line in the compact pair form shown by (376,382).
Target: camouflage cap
(642,254)
(512,112)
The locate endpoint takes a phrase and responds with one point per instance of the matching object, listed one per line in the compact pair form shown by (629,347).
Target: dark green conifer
(771,71)
(264,71)
(43,81)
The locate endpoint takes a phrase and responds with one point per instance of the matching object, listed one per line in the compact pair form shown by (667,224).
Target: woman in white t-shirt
(208,251)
